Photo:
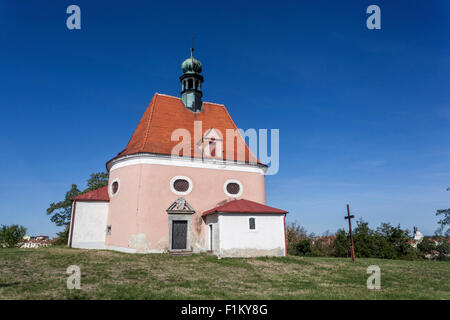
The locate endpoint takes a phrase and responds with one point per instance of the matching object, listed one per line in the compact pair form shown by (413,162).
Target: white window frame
(181,193)
(111,194)
(241,188)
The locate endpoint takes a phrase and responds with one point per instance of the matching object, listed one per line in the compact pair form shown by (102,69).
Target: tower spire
(191,82)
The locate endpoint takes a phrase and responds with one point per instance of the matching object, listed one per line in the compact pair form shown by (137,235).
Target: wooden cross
(350,217)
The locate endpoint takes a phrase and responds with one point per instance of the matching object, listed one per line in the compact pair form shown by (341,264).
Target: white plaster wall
(236,238)
(89,228)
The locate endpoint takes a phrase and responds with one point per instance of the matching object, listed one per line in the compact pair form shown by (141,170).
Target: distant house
(325,240)
(34,242)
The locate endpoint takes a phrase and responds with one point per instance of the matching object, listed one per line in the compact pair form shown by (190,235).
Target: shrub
(341,245)
(62,237)
(304,248)
(294,234)
(11,235)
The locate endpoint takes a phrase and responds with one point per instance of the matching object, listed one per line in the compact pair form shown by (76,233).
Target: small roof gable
(243,206)
(100,194)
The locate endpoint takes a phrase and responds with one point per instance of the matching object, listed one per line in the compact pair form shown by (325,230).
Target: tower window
(114,188)
(251,223)
(190,84)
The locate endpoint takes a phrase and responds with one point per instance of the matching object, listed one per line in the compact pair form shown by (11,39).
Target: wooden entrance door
(179,234)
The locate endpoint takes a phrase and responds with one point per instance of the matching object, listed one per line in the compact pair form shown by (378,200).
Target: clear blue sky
(364,116)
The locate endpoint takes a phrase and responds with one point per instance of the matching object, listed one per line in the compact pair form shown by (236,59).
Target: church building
(186,182)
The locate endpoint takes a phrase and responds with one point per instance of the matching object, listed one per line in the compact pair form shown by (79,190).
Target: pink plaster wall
(145,194)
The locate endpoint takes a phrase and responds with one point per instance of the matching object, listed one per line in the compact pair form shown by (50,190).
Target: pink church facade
(206,197)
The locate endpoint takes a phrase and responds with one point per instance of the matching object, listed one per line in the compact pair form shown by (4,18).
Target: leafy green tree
(364,240)
(294,234)
(304,248)
(444,223)
(341,245)
(392,242)
(61,211)
(11,235)
(386,242)
(97,180)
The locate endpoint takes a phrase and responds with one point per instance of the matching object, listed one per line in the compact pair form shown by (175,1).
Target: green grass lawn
(41,274)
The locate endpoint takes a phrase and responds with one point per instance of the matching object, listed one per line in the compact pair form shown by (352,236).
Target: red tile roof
(243,206)
(100,194)
(165,114)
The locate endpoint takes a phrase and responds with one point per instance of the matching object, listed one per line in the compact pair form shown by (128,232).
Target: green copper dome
(191,65)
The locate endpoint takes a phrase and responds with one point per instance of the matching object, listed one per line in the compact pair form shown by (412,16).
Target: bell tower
(191,83)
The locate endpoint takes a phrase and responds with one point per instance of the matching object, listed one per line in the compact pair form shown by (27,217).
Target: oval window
(181,185)
(115,187)
(233,188)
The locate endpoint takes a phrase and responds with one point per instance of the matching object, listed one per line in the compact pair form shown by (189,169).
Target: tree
(294,234)
(304,248)
(392,242)
(11,235)
(364,238)
(444,223)
(341,245)
(97,180)
(61,211)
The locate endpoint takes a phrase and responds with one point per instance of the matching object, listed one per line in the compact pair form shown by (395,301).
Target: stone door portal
(179,234)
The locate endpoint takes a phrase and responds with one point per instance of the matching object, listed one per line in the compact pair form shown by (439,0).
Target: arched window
(190,84)
(251,224)
(212,147)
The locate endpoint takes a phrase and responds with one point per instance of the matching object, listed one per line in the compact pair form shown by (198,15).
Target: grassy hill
(41,274)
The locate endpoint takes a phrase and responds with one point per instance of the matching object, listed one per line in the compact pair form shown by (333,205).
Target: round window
(181,185)
(233,188)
